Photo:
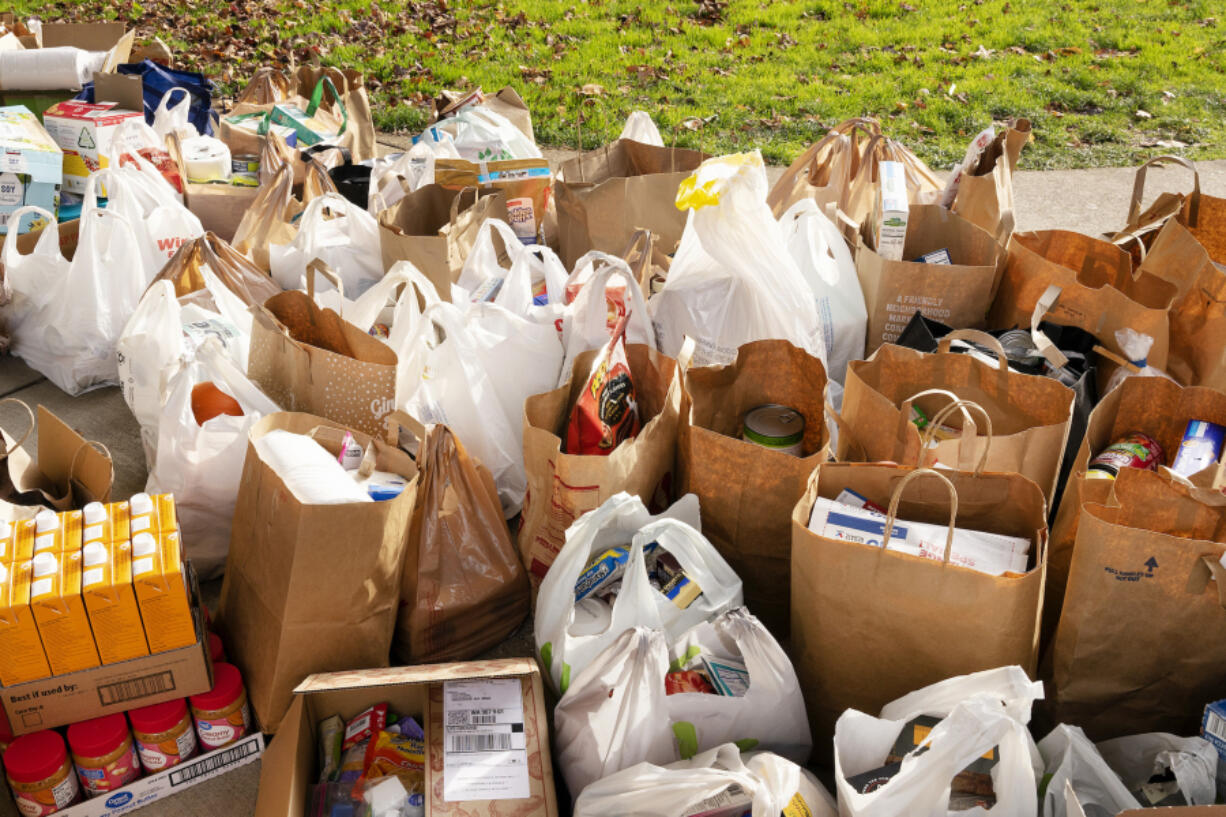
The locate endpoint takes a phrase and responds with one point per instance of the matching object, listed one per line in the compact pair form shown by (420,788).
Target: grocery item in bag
(1134,450)
(606,413)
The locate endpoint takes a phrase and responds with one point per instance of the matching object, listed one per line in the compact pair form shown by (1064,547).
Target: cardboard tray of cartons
(290,764)
(167,782)
(92,693)
(113,38)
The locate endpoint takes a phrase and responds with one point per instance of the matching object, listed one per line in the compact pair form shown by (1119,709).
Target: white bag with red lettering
(601,290)
(151,206)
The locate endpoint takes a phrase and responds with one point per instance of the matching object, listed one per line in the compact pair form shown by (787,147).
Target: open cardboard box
(1074,808)
(220,207)
(113,38)
(290,765)
(110,688)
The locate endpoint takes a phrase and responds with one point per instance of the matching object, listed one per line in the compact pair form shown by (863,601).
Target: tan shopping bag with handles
(67,472)
(463,589)
(985,194)
(1029,415)
(1151,405)
(825,170)
(864,190)
(310,359)
(208,252)
(957,294)
(311,588)
(562,487)
(1141,644)
(746,492)
(870,625)
(603,196)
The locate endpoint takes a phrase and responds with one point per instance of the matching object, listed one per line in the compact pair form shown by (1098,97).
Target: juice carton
(15,546)
(63,624)
(161,592)
(110,600)
(55,532)
(21,651)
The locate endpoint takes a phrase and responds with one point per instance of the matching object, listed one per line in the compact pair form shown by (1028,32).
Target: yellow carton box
(54,532)
(21,652)
(161,592)
(152,514)
(15,545)
(63,624)
(110,600)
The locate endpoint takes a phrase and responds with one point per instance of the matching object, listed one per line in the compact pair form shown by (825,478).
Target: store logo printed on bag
(381,406)
(1150,566)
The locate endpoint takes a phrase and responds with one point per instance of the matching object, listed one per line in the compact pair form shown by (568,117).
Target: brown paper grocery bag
(1099,291)
(870,625)
(1151,405)
(310,588)
(864,189)
(219,207)
(604,195)
(463,589)
(1029,415)
(359,135)
(562,487)
(746,492)
(310,359)
(66,472)
(236,271)
(647,261)
(434,228)
(506,102)
(957,294)
(985,195)
(1141,644)
(825,170)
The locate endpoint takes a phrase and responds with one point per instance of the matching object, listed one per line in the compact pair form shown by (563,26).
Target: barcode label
(479,742)
(1215,725)
(206,765)
(484,716)
(136,688)
(473,717)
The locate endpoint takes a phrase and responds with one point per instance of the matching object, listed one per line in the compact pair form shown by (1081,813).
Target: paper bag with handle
(825,170)
(463,589)
(891,400)
(871,624)
(67,472)
(746,492)
(310,359)
(1150,556)
(311,588)
(984,194)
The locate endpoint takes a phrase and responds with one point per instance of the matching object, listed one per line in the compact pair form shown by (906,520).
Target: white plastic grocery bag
(444,381)
(617,711)
(980,712)
(68,315)
(337,232)
(413,169)
(1071,757)
(483,135)
(732,280)
(202,464)
(1135,758)
(826,263)
(532,287)
(607,290)
(172,115)
(641,128)
(157,216)
(721,777)
(569,635)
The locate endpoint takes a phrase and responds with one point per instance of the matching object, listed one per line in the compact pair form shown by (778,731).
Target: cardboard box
(31,168)
(168,782)
(290,765)
(220,207)
(83,130)
(105,690)
(1074,808)
(113,38)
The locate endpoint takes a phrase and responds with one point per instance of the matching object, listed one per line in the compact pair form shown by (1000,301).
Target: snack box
(83,130)
(31,169)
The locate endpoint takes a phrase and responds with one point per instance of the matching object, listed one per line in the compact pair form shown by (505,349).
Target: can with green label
(776,427)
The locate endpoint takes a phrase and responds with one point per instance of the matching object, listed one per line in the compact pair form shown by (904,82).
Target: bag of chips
(606,413)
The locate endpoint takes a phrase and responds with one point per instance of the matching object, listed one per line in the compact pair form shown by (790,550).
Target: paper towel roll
(207,159)
(48,69)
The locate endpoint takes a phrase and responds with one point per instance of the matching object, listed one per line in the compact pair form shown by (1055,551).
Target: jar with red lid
(165,735)
(104,754)
(217,650)
(222,715)
(40,774)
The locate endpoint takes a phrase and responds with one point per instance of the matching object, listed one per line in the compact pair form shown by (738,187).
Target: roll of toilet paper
(207,159)
(48,69)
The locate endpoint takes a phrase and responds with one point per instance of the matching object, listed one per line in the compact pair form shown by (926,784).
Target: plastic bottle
(165,735)
(104,754)
(40,774)
(222,715)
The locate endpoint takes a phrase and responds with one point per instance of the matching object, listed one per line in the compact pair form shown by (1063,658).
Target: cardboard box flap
(1074,808)
(89,36)
(126,90)
(65,455)
(428,673)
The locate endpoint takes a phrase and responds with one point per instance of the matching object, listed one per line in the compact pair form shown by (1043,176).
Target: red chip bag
(606,412)
(687,680)
(161,160)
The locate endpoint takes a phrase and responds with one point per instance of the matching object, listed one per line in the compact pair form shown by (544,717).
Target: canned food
(245,179)
(1134,450)
(245,163)
(776,427)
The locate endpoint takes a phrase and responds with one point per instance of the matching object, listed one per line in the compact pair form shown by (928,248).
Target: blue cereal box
(31,168)
(1213,726)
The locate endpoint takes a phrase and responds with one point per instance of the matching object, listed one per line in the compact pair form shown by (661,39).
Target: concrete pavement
(1090,201)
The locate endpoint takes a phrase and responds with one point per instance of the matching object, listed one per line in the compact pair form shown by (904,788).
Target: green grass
(773,74)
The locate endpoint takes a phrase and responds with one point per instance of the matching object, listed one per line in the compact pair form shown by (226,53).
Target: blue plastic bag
(156,80)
